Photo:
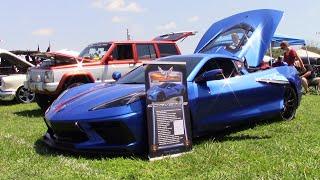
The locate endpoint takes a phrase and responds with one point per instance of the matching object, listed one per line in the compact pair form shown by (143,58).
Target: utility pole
(128,35)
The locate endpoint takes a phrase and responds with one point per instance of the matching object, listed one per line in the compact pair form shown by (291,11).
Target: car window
(123,52)
(146,51)
(137,75)
(167,50)
(95,51)
(228,67)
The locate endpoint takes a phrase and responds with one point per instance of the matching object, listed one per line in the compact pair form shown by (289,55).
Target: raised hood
(174,36)
(246,35)
(14,59)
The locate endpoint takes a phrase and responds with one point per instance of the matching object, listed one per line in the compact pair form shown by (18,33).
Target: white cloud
(168,26)
(193,19)
(43,32)
(117,6)
(117,19)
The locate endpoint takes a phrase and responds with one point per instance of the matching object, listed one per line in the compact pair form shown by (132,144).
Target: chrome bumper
(41,87)
(7,95)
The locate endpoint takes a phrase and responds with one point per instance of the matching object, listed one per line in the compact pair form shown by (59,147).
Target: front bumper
(119,135)
(42,87)
(7,95)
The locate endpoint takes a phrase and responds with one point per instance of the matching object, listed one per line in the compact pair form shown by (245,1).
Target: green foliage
(281,150)
(313,49)
(275,53)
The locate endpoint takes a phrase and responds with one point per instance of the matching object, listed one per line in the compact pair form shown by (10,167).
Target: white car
(12,76)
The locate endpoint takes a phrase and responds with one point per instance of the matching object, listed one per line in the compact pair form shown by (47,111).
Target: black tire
(23,95)
(43,101)
(290,104)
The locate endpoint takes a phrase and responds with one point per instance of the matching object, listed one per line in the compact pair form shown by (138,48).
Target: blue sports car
(224,86)
(165,91)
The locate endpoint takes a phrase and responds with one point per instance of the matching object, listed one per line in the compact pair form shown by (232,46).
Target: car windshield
(137,76)
(95,51)
(232,40)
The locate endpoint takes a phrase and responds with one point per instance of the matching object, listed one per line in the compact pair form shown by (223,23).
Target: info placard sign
(168,116)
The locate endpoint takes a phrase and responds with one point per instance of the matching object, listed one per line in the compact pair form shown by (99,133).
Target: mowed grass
(285,149)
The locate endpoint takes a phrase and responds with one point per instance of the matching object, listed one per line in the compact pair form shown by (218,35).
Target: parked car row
(61,70)
(96,63)
(13,70)
(86,113)
(222,91)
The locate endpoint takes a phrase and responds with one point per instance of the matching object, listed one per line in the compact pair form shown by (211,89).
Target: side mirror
(116,76)
(215,74)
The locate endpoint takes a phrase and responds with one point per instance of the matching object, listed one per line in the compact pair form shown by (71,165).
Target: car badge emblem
(165,73)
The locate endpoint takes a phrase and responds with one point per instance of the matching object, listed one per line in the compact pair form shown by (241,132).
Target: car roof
(206,56)
(131,42)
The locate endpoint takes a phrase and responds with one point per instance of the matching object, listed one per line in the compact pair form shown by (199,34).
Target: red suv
(96,63)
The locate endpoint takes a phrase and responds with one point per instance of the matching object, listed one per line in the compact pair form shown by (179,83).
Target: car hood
(263,23)
(78,101)
(14,59)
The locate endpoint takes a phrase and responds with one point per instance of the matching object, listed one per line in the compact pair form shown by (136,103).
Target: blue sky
(74,24)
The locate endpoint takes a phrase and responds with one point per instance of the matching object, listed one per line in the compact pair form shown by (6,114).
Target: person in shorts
(308,78)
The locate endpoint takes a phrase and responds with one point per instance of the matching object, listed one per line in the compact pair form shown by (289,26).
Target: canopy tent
(277,39)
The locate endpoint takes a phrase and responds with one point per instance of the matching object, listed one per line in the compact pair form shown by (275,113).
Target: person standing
(290,55)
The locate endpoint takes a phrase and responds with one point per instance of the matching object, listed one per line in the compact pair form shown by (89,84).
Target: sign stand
(168,115)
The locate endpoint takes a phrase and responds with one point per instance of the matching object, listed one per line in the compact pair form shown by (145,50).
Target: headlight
(48,76)
(126,100)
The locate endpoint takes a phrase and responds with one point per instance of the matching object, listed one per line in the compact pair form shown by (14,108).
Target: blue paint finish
(263,22)
(213,104)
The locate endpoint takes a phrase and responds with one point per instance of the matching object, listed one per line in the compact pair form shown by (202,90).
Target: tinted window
(167,50)
(136,76)
(146,51)
(122,52)
(227,66)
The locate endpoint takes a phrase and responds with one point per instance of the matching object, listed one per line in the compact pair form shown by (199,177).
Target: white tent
(304,53)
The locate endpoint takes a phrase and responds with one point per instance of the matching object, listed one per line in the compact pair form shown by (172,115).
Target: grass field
(289,150)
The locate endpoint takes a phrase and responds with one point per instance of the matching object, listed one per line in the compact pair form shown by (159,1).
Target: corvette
(224,86)
(165,91)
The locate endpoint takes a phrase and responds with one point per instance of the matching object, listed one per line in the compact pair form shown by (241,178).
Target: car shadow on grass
(43,149)
(8,103)
(226,134)
(30,113)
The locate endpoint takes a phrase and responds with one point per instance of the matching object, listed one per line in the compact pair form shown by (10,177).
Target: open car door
(246,35)
(174,36)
